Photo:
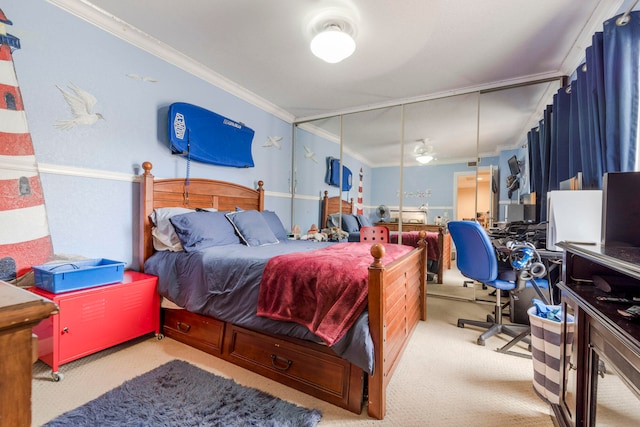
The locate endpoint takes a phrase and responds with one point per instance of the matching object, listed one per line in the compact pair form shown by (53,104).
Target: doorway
(467,184)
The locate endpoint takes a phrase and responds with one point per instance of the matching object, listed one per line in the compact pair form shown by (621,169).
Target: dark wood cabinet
(601,374)
(19,312)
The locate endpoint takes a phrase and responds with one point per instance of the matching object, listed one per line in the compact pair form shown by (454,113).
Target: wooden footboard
(397,301)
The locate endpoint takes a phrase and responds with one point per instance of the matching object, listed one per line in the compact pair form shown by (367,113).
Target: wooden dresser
(19,312)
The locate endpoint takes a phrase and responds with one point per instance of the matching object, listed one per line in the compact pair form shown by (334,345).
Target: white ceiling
(407,51)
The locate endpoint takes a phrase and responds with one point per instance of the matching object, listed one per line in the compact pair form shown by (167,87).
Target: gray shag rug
(180,394)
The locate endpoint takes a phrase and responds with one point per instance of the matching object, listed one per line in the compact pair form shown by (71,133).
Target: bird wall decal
(142,78)
(273,141)
(81,103)
(310,154)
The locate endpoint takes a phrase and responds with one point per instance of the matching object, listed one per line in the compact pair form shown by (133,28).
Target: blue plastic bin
(71,276)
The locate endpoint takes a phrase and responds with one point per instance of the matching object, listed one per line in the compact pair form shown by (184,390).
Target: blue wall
(89,173)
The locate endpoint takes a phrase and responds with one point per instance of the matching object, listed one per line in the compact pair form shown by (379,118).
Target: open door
(468,186)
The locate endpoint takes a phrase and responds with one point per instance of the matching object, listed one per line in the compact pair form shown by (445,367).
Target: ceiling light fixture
(333,43)
(422,152)
(424,159)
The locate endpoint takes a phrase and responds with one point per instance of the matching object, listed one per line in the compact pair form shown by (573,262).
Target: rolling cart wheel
(159,336)
(57,376)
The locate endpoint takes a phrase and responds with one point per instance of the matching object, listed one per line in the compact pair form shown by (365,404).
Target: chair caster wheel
(460,325)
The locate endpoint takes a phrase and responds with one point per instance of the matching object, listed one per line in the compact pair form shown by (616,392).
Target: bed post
(324,210)
(145,246)
(377,405)
(422,243)
(260,191)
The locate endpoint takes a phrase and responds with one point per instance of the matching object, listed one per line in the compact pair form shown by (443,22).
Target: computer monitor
(514,165)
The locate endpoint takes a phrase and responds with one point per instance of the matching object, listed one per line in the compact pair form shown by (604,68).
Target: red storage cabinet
(90,320)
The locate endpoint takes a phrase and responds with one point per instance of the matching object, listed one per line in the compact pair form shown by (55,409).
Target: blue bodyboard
(333,174)
(209,137)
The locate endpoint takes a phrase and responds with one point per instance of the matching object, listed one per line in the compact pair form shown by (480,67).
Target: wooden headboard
(201,193)
(334,205)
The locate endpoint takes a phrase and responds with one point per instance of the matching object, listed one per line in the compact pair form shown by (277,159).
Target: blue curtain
(560,142)
(533,147)
(545,126)
(586,129)
(621,59)
(575,155)
(535,162)
(595,84)
(592,126)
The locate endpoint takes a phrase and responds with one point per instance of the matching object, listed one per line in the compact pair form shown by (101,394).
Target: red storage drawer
(97,318)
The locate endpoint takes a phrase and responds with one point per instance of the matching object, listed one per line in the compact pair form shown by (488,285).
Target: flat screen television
(514,166)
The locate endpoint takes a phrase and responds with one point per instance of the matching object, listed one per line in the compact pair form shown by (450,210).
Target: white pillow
(164,235)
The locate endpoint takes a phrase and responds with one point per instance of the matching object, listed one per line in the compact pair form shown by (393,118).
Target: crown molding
(100,18)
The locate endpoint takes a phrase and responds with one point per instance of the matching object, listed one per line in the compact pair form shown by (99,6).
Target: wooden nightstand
(96,318)
(19,312)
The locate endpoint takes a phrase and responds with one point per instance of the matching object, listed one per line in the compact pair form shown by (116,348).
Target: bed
(438,240)
(395,300)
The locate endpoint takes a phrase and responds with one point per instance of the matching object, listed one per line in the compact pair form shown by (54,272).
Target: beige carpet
(444,378)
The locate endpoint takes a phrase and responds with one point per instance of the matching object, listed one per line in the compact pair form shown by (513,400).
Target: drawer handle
(184,327)
(276,359)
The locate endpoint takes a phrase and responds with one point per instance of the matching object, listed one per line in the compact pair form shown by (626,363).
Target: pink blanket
(411,238)
(324,290)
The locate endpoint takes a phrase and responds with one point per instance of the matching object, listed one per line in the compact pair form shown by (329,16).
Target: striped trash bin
(546,342)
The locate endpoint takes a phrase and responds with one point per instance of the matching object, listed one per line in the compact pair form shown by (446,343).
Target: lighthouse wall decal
(24,232)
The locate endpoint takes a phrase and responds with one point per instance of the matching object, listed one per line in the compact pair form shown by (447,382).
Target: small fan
(383,213)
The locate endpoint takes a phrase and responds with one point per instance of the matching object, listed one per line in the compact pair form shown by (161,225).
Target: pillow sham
(350,223)
(275,224)
(252,228)
(163,234)
(364,221)
(333,220)
(204,229)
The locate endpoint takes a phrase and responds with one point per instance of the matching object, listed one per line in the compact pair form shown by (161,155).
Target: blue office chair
(477,260)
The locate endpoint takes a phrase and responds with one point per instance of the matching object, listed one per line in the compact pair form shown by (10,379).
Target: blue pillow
(200,230)
(350,223)
(252,228)
(364,221)
(275,224)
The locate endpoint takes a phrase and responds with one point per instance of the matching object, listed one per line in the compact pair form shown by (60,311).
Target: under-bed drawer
(201,332)
(316,370)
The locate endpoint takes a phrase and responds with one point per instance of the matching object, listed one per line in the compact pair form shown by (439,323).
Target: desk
(19,312)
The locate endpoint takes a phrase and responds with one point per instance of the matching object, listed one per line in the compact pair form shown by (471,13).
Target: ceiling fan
(423,153)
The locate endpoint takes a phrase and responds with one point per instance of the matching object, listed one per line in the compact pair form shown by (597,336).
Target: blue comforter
(223,282)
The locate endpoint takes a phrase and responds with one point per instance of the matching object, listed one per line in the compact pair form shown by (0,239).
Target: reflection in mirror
(371,142)
(439,141)
(470,137)
(505,117)
(447,130)
(314,143)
